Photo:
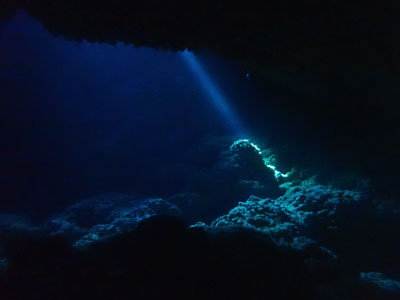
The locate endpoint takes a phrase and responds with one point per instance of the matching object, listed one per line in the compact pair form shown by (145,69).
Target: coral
(294,219)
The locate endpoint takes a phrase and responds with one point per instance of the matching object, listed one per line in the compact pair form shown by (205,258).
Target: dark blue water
(82,118)
(158,167)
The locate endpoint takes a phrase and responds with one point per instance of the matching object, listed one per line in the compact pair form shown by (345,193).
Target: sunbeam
(215,96)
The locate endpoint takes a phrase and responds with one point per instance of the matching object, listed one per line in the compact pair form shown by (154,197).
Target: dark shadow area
(334,63)
(163,259)
(112,145)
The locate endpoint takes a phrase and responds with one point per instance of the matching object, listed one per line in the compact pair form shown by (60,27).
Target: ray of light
(215,96)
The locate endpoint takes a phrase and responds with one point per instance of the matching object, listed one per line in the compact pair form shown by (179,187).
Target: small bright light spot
(266,160)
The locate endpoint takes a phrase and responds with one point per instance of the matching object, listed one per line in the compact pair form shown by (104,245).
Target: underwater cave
(199,149)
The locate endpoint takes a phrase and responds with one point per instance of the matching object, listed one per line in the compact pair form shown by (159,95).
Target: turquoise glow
(215,96)
(266,160)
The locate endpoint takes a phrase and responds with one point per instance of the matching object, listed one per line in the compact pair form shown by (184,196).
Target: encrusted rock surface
(104,216)
(237,172)
(297,218)
(381,281)
(246,165)
(303,213)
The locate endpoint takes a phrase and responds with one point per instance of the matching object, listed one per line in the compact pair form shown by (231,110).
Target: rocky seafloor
(284,235)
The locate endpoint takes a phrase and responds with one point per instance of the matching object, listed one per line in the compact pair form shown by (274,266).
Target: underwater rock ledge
(105,216)
(309,240)
(163,257)
(339,223)
(306,213)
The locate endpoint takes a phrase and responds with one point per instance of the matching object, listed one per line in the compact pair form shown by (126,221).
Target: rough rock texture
(381,281)
(244,163)
(301,215)
(102,217)
(347,226)
(237,172)
(160,259)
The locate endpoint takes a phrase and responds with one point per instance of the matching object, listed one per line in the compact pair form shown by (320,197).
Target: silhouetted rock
(160,258)
(193,206)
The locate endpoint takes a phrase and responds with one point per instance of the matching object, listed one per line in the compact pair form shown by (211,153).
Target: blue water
(84,118)
(161,148)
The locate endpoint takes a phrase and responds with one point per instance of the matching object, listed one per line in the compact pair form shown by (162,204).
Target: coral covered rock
(247,166)
(301,215)
(102,217)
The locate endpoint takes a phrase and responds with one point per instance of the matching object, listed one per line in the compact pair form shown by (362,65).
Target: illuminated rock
(244,147)
(244,163)
(301,216)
